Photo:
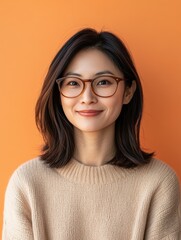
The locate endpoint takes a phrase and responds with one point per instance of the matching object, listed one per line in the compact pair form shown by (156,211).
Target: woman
(92,180)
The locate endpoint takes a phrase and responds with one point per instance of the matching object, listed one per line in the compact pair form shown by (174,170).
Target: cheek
(65,102)
(67,106)
(114,109)
(118,104)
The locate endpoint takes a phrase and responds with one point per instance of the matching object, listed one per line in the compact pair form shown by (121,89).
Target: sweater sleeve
(164,219)
(17,215)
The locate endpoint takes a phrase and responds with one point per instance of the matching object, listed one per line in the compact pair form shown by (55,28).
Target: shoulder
(31,172)
(30,167)
(156,176)
(164,202)
(158,171)
(160,179)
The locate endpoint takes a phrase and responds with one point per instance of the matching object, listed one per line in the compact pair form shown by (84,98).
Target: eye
(71,82)
(104,82)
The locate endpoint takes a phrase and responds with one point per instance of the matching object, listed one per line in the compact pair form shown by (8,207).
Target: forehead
(91,61)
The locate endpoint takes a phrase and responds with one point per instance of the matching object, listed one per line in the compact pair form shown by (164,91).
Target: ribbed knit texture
(79,202)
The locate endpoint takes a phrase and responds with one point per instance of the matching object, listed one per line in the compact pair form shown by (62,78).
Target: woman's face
(89,112)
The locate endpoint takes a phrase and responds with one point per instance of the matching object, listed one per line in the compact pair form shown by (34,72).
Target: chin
(89,129)
(95,128)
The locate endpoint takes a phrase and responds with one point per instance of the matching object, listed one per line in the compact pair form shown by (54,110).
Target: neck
(94,148)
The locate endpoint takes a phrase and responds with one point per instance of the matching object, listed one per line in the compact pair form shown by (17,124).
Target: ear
(129,92)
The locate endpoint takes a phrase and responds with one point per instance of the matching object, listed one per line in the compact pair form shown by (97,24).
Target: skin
(94,132)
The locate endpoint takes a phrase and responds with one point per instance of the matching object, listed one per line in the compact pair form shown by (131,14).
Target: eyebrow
(97,74)
(104,72)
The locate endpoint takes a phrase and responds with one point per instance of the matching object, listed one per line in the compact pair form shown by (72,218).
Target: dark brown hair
(57,131)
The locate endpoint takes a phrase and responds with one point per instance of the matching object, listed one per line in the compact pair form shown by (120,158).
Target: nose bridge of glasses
(87,80)
(90,87)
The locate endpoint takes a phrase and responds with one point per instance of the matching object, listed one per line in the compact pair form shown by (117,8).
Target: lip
(89,113)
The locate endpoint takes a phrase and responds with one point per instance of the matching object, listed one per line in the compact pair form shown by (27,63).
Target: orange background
(32,31)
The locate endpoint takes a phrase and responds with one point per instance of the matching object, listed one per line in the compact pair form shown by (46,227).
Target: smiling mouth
(89,113)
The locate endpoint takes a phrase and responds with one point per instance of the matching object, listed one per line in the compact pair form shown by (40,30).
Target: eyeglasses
(102,86)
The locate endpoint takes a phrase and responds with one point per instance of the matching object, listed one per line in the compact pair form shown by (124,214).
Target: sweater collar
(78,172)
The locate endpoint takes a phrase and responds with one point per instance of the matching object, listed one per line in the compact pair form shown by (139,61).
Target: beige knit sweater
(79,202)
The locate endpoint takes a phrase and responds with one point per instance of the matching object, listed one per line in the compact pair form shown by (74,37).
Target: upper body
(81,202)
(90,109)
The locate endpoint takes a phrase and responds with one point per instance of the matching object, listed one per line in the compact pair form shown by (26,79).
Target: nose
(88,97)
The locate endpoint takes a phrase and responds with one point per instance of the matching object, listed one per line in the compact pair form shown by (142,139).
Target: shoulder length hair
(55,128)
